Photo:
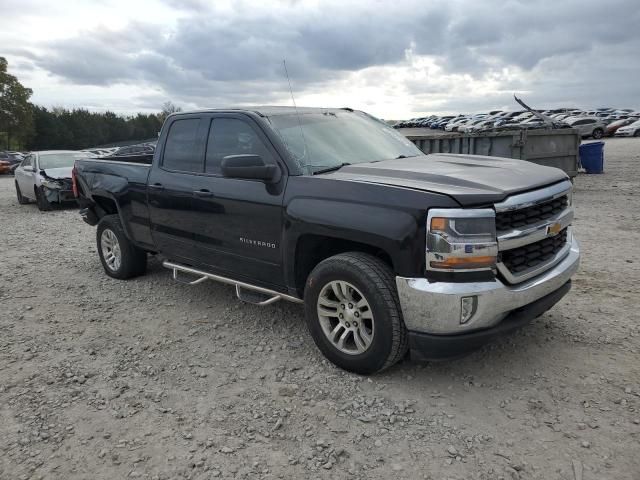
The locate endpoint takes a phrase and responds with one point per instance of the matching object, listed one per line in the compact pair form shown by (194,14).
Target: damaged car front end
(56,190)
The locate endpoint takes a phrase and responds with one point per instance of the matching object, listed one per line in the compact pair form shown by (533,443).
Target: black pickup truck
(389,250)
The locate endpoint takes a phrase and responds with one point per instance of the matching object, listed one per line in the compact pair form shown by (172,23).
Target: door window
(28,161)
(230,136)
(181,151)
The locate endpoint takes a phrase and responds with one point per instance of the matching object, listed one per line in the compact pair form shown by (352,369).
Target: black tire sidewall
(598,133)
(133,260)
(21,199)
(42,203)
(376,355)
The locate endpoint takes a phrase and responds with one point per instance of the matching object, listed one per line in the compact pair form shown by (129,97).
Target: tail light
(74,181)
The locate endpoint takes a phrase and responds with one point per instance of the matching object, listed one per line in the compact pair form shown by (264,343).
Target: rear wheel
(598,133)
(120,258)
(41,200)
(21,199)
(353,313)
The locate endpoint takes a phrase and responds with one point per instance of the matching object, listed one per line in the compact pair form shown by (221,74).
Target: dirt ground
(107,379)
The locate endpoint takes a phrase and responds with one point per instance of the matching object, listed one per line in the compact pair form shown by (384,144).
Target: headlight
(461,240)
(50,184)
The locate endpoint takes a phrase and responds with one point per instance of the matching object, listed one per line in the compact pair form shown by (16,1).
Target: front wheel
(598,133)
(120,258)
(41,200)
(353,313)
(637,133)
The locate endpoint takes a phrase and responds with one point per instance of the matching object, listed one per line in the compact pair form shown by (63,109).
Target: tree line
(25,126)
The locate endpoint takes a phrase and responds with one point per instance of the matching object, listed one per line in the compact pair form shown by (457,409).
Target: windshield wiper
(330,169)
(405,156)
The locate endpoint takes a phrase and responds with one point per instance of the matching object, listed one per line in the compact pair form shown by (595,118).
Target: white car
(45,177)
(632,130)
(587,126)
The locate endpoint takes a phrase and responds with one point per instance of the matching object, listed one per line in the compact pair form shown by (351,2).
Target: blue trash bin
(592,157)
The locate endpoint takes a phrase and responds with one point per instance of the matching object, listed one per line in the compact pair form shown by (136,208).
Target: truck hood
(469,179)
(57,173)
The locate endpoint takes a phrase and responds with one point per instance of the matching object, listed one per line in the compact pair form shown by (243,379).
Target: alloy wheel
(346,317)
(111,250)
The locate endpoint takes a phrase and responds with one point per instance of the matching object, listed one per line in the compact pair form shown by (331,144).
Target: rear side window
(181,151)
(230,136)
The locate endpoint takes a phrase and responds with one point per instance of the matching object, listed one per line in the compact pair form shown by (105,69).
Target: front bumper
(58,195)
(424,346)
(434,308)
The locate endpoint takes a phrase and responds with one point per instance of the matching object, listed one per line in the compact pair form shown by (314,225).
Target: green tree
(16,115)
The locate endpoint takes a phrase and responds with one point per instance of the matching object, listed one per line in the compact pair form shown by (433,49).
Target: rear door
(170,188)
(239,221)
(584,126)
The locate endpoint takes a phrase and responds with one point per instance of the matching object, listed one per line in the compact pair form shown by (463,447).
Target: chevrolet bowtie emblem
(553,229)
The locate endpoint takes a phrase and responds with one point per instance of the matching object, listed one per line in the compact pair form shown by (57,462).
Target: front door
(26,178)
(239,221)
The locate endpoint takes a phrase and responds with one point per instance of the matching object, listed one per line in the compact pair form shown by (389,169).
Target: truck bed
(105,183)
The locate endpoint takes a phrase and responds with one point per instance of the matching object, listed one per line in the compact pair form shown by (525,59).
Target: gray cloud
(567,50)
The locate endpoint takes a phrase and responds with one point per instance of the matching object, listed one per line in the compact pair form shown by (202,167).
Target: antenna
(304,140)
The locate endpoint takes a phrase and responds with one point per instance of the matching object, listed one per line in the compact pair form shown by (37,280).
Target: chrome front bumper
(435,307)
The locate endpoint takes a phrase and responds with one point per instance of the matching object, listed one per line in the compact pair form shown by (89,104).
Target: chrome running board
(272,295)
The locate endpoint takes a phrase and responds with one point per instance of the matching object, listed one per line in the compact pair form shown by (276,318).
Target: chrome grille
(527,226)
(518,260)
(509,220)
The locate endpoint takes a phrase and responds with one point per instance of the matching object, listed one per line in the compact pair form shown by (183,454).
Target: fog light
(467,308)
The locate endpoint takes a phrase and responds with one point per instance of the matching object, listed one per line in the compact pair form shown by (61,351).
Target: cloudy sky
(393,58)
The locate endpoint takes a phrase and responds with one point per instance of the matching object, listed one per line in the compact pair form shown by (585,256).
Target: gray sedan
(45,177)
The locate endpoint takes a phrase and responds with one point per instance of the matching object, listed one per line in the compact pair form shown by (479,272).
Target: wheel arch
(311,249)
(104,205)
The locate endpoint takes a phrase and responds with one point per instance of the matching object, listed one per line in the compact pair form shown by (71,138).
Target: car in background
(481,125)
(45,177)
(613,127)
(587,126)
(5,167)
(631,130)
(468,126)
(9,161)
(456,123)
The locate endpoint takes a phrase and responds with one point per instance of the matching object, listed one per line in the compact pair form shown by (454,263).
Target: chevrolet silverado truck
(388,249)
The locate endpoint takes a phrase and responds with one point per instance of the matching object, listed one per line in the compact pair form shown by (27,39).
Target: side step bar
(262,296)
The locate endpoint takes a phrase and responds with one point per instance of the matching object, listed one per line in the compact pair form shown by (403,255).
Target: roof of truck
(272,110)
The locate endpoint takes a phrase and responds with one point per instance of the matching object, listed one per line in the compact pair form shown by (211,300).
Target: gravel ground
(148,378)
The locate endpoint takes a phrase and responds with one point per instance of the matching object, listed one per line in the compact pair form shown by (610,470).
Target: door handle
(203,193)
(157,186)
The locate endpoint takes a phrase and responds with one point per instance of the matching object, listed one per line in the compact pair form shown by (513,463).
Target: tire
(636,133)
(21,200)
(380,326)
(120,258)
(598,133)
(43,204)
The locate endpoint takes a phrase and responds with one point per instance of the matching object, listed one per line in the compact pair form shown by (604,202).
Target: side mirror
(248,166)
(27,168)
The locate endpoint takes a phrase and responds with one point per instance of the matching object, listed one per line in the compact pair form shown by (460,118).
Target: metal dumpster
(550,147)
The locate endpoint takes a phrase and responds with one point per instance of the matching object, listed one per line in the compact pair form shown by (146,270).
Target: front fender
(390,219)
